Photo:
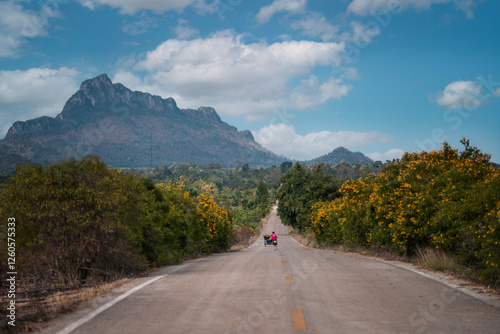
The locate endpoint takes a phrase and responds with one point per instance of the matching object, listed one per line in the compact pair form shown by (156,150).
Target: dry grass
(34,307)
(436,260)
(241,239)
(306,240)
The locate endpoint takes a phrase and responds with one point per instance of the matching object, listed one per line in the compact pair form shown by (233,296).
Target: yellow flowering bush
(216,221)
(195,224)
(445,199)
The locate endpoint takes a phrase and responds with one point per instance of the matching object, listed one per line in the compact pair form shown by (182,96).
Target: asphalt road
(288,289)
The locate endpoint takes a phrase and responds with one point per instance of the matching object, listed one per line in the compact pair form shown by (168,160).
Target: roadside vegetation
(79,223)
(439,208)
(82,227)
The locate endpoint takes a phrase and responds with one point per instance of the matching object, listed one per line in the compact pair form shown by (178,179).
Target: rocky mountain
(132,129)
(341,153)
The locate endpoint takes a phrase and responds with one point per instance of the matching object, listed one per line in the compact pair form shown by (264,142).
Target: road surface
(290,289)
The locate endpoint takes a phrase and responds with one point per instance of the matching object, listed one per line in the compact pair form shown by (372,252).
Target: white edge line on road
(432,277)
(101,309)
(298,243)
(92,314)
(444,282)
(255,242)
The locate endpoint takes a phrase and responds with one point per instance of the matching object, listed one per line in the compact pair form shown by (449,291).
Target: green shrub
(79,218)
(75,217)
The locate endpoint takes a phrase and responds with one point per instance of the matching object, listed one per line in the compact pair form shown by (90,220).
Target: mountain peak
(122,126)
(247,134)
(99,82)
(209,113)
(94,95)
(341,153)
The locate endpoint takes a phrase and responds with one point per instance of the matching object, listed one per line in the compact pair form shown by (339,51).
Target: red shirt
(273,236)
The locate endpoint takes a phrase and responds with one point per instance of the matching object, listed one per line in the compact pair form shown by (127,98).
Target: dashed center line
(299,322)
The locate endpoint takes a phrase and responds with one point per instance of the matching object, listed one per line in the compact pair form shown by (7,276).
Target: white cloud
(312,93)
(283,139)
(140,26)
(183,30)
(466,6)
(33,93)
(351,73)
(368,7)
(238,78)
(361,34)
(390,155)
(18,24)
(132,6)
(315,25)
(462,95)
(291,6)
(127,79)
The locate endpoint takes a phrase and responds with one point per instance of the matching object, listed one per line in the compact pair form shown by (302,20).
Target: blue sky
(305,76)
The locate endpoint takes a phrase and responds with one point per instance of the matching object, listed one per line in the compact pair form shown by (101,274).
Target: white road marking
(298,243)
(101,309)
(493,302)
(255,242)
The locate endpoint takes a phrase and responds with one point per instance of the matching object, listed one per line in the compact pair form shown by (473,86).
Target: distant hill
(121,126)
(341,153)
(8,162)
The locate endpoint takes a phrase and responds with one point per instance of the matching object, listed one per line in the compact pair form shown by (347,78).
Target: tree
(300,189)
(285,166)
(76,217)
(262,195)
